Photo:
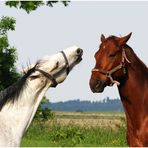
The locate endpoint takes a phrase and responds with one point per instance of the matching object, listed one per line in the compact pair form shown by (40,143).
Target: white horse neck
(16,117)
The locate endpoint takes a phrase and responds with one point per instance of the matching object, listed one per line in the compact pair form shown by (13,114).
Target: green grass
(55,135)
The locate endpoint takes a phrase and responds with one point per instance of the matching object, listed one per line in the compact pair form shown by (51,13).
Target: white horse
(19,102)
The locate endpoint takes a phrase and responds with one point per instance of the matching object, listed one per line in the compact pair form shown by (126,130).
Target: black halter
(51,77)
(66,62)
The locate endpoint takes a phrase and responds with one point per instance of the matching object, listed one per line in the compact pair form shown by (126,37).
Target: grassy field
(78,129)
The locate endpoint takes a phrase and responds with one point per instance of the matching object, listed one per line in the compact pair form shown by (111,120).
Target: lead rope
(124,56)
(113,81)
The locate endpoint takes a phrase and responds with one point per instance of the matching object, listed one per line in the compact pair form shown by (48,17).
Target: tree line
(106,104)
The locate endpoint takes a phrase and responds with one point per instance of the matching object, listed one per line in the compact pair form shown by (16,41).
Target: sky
(49,30)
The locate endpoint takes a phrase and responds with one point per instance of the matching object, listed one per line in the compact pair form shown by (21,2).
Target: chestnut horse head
(111,61)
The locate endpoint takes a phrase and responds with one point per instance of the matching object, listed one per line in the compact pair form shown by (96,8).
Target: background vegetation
(29,6)
(106,104)
(8,55)
(59,132)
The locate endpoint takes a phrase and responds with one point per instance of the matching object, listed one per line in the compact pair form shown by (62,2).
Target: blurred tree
(29,6)
(45,114)
(8,56)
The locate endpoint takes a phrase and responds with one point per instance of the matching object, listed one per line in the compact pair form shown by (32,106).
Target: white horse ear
(24,70)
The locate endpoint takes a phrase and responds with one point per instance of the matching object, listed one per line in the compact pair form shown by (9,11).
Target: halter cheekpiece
(110,72)
(51,77)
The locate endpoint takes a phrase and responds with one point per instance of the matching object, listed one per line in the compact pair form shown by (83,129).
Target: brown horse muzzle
(97,86)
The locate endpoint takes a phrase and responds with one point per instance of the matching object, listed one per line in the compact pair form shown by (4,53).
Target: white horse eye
(34,77)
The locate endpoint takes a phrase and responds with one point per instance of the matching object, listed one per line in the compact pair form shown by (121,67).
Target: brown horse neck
(137,75)
(136,69)
(133,89)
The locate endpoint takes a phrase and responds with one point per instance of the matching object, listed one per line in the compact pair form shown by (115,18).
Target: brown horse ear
(123,40)
(102,38)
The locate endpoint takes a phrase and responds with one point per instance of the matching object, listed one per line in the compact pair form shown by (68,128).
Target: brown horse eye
(112,55)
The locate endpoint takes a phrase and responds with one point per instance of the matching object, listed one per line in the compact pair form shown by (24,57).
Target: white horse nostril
(79,51)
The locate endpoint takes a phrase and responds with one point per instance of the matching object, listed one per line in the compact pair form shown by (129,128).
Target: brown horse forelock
(134,96)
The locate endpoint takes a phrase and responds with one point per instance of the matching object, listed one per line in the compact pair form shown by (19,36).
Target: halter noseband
(51,77)
(110,72)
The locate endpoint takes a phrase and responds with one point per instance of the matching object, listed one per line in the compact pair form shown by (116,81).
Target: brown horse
(117,63)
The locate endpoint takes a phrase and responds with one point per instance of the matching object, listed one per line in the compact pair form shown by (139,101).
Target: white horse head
(55,68)
(19,102)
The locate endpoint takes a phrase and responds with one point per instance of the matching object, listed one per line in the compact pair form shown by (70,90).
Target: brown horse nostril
(79,51)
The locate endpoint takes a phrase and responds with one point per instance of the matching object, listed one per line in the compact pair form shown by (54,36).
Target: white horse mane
(12,92)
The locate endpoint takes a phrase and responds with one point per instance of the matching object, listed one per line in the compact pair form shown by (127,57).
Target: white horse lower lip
(79,59)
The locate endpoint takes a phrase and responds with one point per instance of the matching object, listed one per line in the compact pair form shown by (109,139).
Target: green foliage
(50,3)
(29,6)
(56,135)
(8,56)
(6,24)
(47,114)
(43,115)
(72,133)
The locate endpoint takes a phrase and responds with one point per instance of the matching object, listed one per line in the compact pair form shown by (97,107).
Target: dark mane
(137,61)
(11,94)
